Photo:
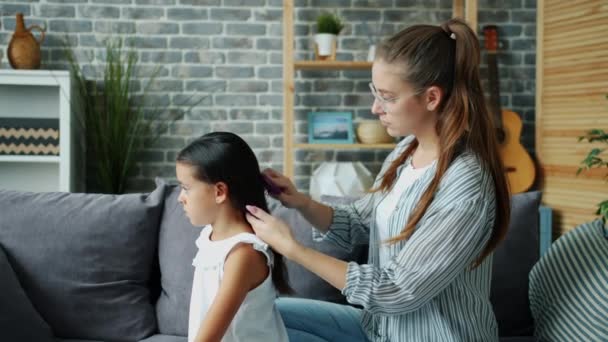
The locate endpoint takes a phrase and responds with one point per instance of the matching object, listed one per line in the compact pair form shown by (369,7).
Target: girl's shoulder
(255,244)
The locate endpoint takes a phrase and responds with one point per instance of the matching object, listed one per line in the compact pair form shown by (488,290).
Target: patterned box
(29,136)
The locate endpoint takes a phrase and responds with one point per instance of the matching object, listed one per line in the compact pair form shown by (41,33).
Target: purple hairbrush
(270,186)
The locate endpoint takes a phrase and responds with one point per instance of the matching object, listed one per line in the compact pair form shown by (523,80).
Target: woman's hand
(289,196)
(272,230)
(277,234)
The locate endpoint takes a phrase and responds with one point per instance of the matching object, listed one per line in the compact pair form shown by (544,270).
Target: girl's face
(200,200)
(400,109)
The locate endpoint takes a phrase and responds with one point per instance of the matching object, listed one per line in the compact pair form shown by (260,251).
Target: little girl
(236,276)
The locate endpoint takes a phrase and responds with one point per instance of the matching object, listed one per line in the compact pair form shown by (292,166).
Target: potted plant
(329,26)
(114,117)
(594,159)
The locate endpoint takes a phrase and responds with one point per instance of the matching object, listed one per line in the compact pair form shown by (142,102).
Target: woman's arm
(442,248)
(244,269)
(318,214)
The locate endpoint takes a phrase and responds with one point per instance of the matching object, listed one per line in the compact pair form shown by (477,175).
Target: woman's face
(198,198)
(400,109)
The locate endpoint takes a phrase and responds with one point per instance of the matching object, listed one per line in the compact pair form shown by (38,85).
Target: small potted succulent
(329,26)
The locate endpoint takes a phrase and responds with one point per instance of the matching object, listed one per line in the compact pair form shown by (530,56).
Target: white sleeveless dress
(257,319)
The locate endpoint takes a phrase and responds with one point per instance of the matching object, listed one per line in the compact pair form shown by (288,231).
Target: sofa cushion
(518,339)
(305,283)
(19,320)
(513,260)
(165,338)
(176,249)
(85,260)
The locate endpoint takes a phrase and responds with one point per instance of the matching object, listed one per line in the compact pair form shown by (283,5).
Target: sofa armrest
(545,228)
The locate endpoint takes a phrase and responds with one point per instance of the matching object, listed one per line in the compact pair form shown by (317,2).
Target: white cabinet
(42,94)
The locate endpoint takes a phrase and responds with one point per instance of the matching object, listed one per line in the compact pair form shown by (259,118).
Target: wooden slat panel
(575,200)
(561,6)
(580,15)
(576,50)
(572,80)
(574,67)
(566,42)
(568,172)
(572,57)
(574,77)
(565,150)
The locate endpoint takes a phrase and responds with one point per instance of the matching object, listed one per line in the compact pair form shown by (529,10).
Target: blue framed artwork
(330,128)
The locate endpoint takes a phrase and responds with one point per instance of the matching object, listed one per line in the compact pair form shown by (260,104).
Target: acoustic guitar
(519,166)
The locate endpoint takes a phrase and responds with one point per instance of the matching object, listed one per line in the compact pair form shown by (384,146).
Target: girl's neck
(228,224)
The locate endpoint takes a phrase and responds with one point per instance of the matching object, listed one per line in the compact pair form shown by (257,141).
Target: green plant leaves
(114,121)
(329,23)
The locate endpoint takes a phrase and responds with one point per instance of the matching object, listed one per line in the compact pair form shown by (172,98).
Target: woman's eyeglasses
(384,102)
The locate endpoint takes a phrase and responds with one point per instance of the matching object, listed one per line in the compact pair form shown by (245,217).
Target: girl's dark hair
(226,157)
(447,56)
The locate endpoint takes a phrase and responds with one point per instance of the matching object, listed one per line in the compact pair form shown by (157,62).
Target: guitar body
(518,163)
(519,166)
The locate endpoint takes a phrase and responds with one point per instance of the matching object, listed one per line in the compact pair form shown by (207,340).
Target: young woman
(236,275)
(439,206)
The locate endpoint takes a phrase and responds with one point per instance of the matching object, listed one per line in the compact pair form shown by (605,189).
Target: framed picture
(330,128)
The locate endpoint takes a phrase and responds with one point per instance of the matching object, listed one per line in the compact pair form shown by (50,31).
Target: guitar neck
(494,86)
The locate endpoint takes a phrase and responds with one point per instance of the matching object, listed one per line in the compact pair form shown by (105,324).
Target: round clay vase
(24,50)
(372,132)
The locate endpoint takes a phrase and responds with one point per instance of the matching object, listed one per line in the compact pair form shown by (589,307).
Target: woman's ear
(221,192)
(433,97)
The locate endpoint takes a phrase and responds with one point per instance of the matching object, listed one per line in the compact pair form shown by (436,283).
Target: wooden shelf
(29,159)
(344,146)
(48,94)
(461,8)
(332,65)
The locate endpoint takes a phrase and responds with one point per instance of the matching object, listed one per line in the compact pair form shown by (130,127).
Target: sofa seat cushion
(19,320)
(85,260)
(518,339)
(165,338)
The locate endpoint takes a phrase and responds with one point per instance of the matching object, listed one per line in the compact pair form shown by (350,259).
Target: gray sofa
(90,267)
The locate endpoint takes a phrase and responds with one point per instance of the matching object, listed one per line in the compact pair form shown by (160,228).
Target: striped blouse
(569,287)
(428,291)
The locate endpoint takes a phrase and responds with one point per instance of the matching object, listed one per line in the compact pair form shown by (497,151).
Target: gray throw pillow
(85,260)
(513,261)
(305,283)
(19,320)
(176,249)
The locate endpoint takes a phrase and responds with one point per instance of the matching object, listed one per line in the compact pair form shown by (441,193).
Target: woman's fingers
(253,221)
(259,214)
(277,178)
(270,172)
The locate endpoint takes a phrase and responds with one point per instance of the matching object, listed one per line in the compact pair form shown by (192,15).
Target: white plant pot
(371,53)
(325,43)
